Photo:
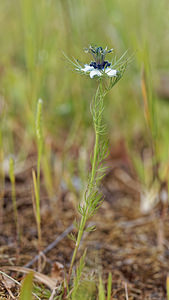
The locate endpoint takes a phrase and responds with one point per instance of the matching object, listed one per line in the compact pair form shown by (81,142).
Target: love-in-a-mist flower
(99,66)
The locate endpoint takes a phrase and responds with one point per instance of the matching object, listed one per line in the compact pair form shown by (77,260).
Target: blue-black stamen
(105,64)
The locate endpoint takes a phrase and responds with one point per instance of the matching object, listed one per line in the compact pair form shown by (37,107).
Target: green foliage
(92,197)
(101,289)
(77,277)
(43,293)
(27,288)
(86,290)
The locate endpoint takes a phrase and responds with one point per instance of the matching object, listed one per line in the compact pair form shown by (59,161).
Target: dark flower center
(101,66)
(99,55)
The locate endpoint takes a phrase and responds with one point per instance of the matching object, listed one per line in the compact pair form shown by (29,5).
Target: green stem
(94,159)
(91,183)
(39,164)
(12,179)
(79,237)
(96,146)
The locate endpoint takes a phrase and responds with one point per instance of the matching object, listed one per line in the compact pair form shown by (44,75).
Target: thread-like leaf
(77,278)
(72,237)
(90,228)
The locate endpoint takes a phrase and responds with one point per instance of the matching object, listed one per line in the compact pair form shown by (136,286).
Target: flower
(99,67)
(99,72)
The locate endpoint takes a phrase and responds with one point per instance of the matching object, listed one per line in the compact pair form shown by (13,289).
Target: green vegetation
(27,288)
(12,179)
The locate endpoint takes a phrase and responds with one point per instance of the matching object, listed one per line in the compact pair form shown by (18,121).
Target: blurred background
(34,35)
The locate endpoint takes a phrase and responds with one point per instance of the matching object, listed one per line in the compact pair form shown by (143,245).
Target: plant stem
(91,184)
(94,158)
(37,207)
(36,179)
(79,237)
(12,179)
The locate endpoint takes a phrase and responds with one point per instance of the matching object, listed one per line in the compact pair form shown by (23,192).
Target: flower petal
(94,73)
(110,72)
(87,68)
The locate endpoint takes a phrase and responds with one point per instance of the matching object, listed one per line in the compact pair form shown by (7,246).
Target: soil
(125,242)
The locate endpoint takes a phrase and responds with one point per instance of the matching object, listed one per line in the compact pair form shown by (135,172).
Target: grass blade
(101,290)
(167,287)
(109,287)
(27,287)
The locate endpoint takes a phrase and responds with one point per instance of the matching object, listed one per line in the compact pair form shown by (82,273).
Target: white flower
(95,72)
(87,68)
(110,72)
(98,72)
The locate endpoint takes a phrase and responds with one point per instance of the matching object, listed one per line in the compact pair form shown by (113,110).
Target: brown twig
(50,246)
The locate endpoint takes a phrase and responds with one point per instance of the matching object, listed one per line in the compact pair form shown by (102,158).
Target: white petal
(95,72)
(110,72)
(87,68)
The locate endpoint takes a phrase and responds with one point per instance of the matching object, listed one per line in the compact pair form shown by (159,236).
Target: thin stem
(91,184)
(12,179)
(79,237)
(94,158)
(37,207)
(36,180)
(39,164)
